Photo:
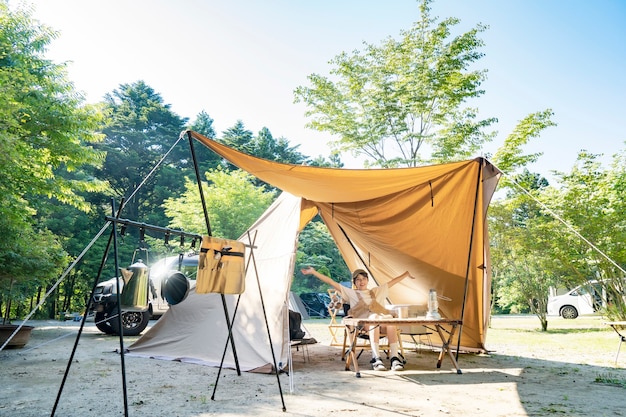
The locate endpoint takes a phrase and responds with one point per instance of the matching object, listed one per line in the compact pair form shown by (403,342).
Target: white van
(584,299)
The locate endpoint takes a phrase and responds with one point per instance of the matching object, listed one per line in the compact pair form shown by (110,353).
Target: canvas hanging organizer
(221,266)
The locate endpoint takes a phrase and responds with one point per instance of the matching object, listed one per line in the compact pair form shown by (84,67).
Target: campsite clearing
(567,371)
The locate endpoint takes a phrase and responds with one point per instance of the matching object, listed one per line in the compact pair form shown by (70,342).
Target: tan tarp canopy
(428,220)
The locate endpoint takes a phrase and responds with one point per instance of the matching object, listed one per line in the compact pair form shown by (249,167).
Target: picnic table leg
(445,347)
(351,356)
(346,340)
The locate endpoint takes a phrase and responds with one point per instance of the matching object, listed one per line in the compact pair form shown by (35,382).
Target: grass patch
(611,379)
(584,337)
(586,340)
(201,398)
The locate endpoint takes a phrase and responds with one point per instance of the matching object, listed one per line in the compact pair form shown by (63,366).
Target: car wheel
(569,312)
(102,323)
(133,322)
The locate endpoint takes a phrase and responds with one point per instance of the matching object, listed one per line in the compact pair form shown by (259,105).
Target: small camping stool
(418,343)
(304,344)
(619,327)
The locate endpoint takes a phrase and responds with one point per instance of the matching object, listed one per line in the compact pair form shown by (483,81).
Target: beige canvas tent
(428,220)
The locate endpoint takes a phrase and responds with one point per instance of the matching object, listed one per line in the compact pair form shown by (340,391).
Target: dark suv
(316,303)
(104,303)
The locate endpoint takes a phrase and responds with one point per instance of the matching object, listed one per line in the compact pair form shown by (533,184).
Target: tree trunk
(51,303)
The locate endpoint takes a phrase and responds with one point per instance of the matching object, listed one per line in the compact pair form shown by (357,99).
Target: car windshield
(189,267)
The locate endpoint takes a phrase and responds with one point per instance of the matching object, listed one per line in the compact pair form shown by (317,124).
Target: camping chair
(304,344)
(363,341)
(334,308)
(297,335)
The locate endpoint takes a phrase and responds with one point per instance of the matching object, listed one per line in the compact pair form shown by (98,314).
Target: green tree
(590,202)
(393,101)
(561,236)
(238,137)
(510,157)
(405,102)
(317,248)
(204,125)
(265,146)
(46,141)
(139,130)
(234,203)
(523,267)
(44,128)
(207,159)
(333,161)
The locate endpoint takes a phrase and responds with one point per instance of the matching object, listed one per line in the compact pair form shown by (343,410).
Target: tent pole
(253,260)
(228,321)
(267,326)
(228,339)
(469,255)
(230,332)
(357,253)
(208,226)
(199,181)
(112,236)
(82,324)
(119,309)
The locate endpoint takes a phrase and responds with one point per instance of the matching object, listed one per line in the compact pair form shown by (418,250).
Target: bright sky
(242,59)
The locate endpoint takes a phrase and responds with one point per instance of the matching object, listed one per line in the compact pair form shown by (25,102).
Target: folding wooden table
(445,328)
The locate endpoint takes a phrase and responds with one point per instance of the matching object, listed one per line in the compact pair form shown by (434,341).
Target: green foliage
(139,130)
(204,125)
(522,267)
(47,140)
(206,158)
(263,145)
(333,161)
(233,202)
(561,236)
(30,259)
(509,157)
(44,129)
(393,101)
(317,248)
(238,137)
(591,200)
(610,379)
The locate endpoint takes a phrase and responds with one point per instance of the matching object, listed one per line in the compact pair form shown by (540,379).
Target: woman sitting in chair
(366,303)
